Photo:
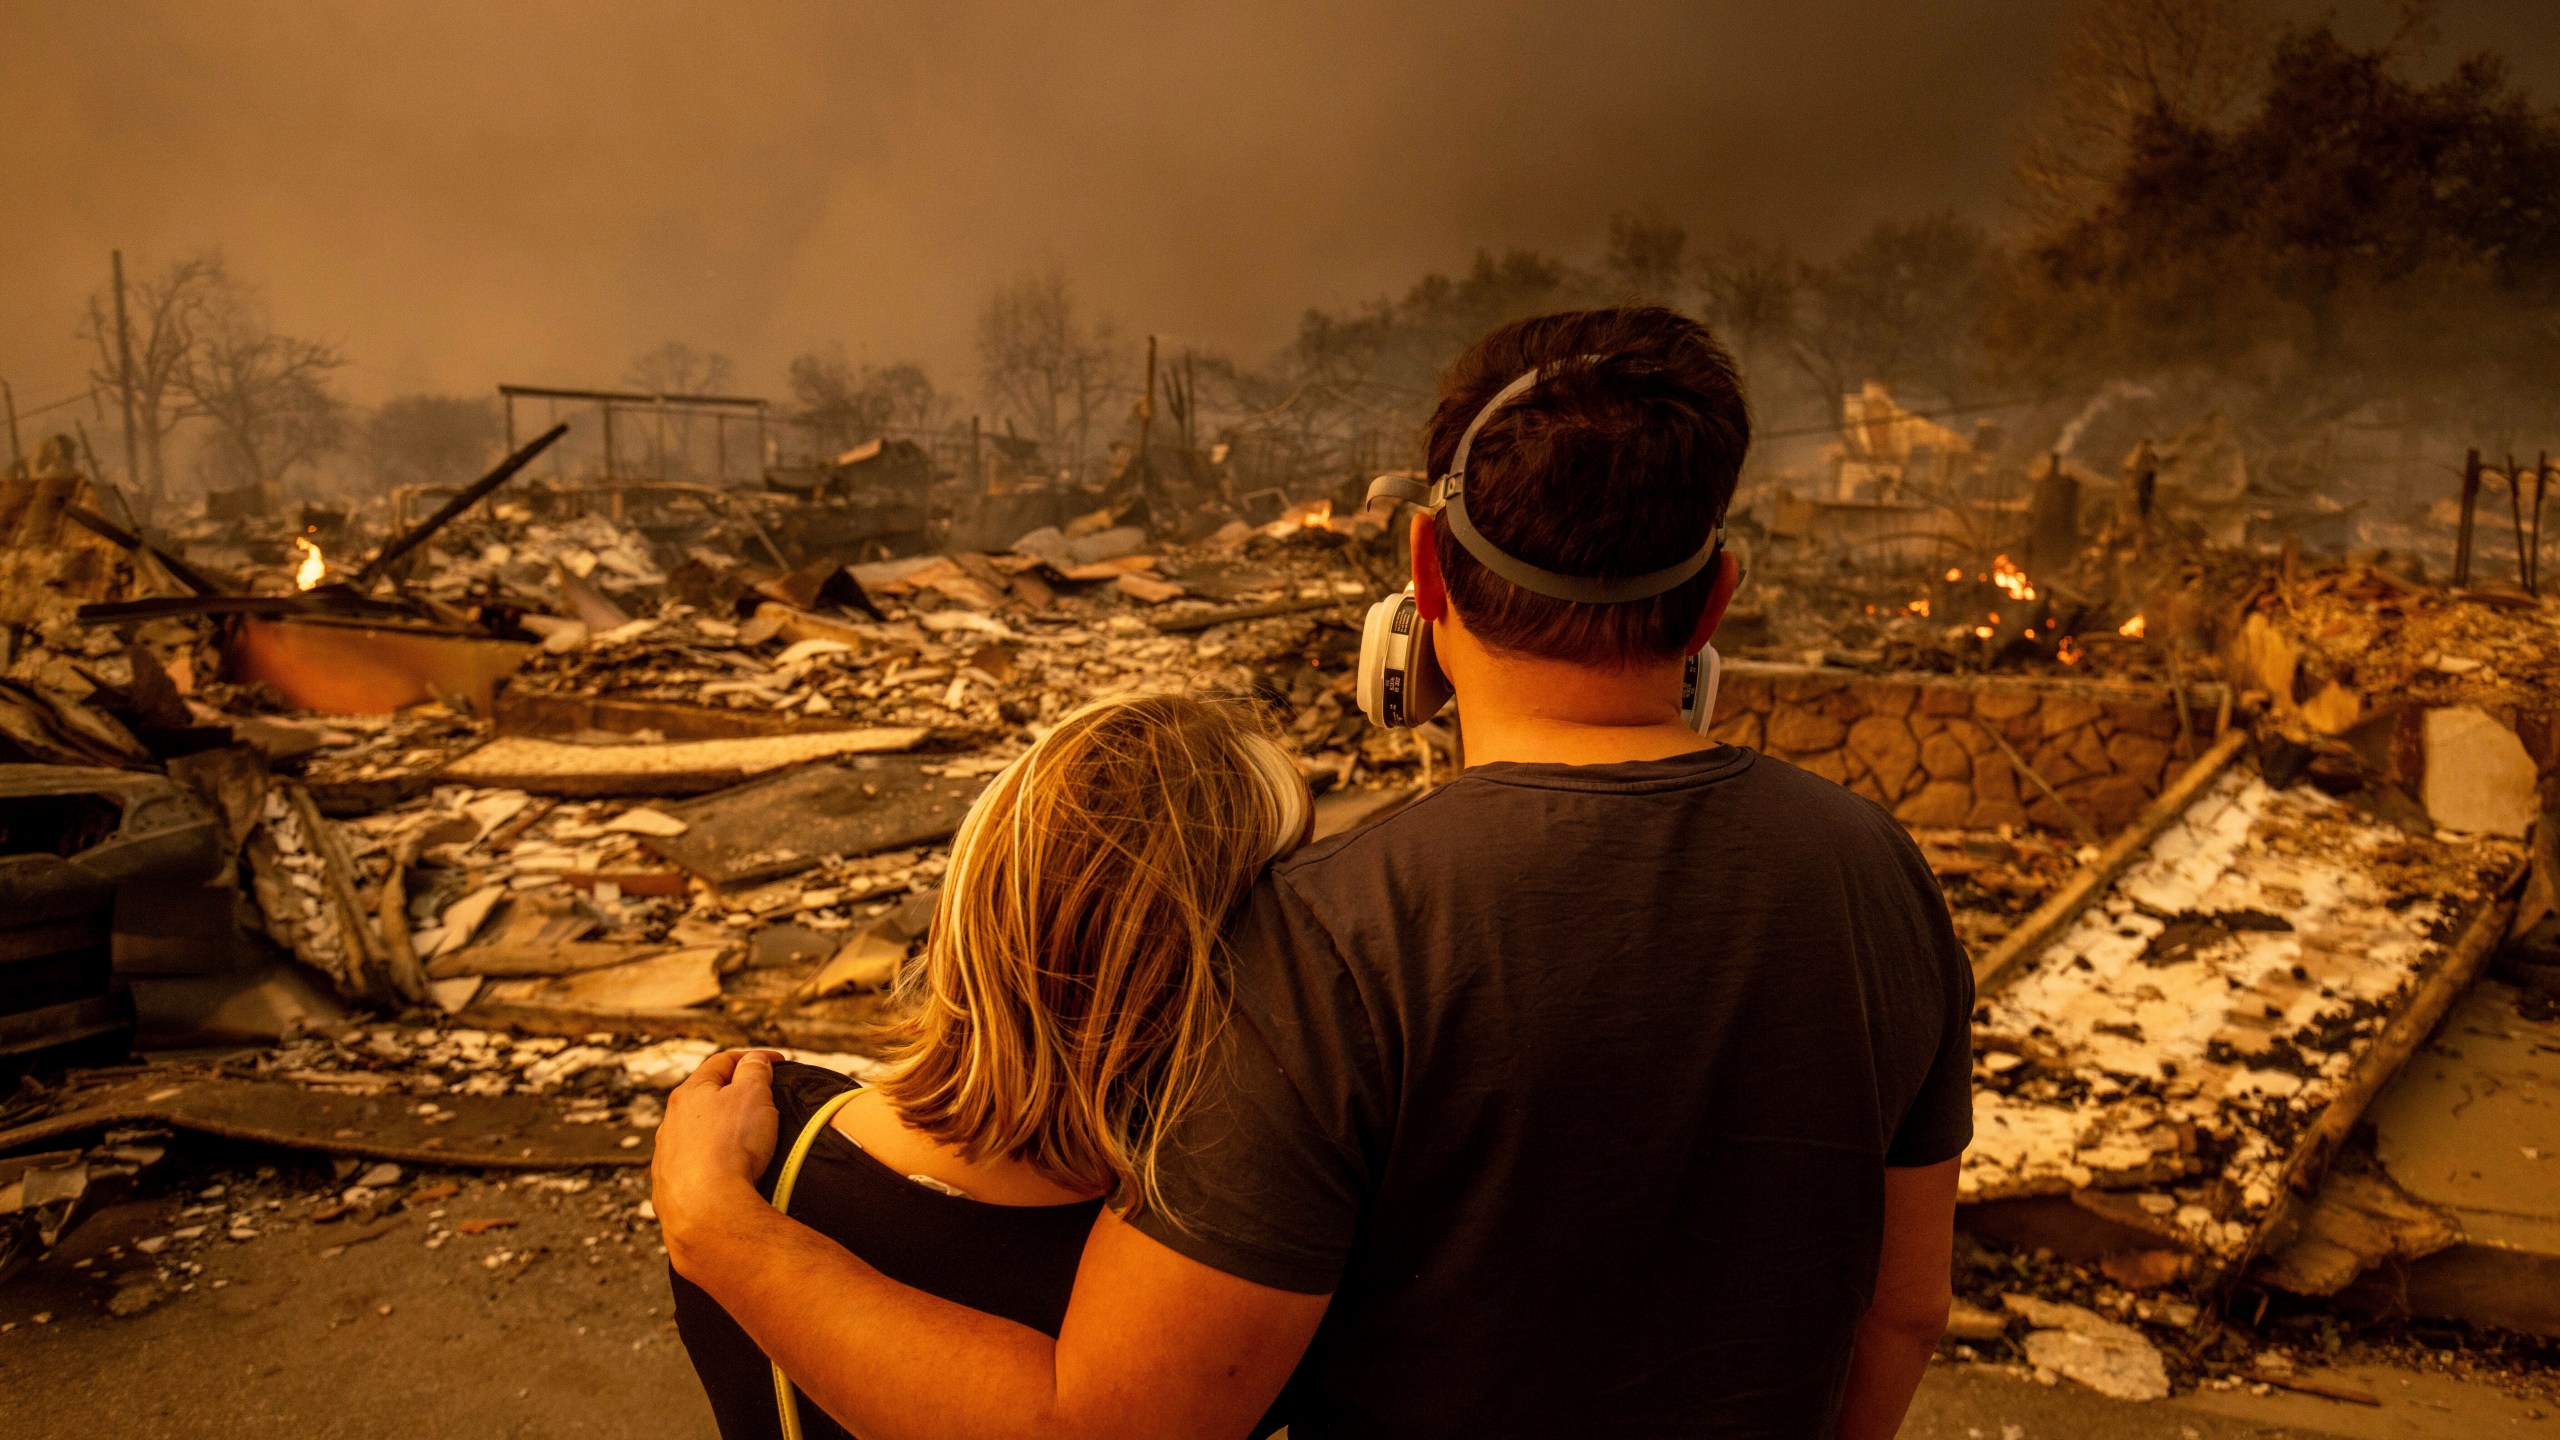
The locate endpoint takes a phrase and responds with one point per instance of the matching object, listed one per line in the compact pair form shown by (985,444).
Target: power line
(58,404)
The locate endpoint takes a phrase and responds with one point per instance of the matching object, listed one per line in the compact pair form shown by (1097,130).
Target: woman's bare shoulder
(869,1121)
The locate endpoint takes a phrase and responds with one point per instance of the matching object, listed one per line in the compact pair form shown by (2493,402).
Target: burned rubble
(445,845)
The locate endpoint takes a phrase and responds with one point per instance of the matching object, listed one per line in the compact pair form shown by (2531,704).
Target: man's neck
(1549,712)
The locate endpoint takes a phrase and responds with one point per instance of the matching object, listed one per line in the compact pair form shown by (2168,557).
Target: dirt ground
(400,1324)
(558,1325)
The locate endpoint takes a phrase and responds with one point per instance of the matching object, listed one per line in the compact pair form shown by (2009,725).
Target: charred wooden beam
(114,534)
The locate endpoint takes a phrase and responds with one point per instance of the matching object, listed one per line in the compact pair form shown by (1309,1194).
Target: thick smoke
(473,191)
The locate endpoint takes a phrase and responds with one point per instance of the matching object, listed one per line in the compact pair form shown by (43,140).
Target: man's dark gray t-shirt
(1576,1086)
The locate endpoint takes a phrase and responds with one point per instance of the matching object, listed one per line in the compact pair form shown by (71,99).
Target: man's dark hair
(1607,467)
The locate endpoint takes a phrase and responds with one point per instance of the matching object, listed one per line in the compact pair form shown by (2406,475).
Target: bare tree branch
(266,394)
(164,312)
(1043,364)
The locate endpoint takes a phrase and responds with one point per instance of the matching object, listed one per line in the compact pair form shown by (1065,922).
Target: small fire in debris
(2068,651)
(1984,632)
(1314,515)
(2131,629)
(1955,573)
(313,569)
(2012,581)
(1919,607)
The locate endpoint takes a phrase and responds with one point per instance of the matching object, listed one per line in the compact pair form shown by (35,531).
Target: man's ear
(1728,579)
(1430,592)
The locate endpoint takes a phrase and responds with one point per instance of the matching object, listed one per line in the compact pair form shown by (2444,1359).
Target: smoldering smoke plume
(2113,392)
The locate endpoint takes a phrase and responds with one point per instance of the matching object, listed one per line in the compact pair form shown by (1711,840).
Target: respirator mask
(1401,684)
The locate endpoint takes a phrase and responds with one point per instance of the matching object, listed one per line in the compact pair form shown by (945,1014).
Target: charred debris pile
(461,825)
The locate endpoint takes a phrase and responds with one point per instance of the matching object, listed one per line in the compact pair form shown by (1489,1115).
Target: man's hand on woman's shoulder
(714,1145)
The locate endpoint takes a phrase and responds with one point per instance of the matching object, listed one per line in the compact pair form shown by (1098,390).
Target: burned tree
(2359,242)
(676,368)
(2124,62)
(1903,307)
(162,313)
(431,439)
(266,393)
(844,404)
(1648,259)
(1044,363)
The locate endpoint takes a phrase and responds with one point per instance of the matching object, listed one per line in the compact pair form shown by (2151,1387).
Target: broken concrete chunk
(1047,543)
(645,820)
(2480,778)
(2080,1344)
(2120,1370)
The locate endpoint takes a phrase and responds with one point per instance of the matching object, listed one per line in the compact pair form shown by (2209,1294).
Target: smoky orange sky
(465,192)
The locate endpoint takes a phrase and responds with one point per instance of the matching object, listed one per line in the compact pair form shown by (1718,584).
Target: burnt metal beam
(631,397)
(464,499)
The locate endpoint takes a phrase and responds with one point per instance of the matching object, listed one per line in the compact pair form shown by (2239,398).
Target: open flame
(2131,629)
(1306,515)
(2013,582)
(2068,652)
(313,568)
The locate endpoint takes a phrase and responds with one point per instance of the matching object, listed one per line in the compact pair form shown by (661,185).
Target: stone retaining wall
(1923,746)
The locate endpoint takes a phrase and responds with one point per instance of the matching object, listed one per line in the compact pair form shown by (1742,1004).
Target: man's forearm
(1884,1373)
(889,1362)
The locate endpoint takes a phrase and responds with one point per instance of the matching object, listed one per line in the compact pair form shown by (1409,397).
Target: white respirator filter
(1400,684)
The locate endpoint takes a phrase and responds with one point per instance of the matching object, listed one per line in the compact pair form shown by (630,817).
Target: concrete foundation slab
(2472,1127)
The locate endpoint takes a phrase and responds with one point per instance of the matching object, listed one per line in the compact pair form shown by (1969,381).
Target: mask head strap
(1446,497)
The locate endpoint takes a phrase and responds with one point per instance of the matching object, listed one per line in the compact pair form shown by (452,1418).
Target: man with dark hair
(1614,1088)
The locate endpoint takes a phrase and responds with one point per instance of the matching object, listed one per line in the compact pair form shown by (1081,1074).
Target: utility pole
(17,452)
(124,381)
(1147,404)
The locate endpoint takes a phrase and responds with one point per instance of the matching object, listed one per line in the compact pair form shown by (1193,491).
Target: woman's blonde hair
(1063,1007)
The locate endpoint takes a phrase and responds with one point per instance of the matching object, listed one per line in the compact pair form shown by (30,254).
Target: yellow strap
(786,1399)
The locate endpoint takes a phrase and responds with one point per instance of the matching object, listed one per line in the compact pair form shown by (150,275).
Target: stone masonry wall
(1922,746)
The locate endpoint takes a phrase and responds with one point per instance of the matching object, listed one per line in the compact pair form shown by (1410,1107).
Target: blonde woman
(1053,1032)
